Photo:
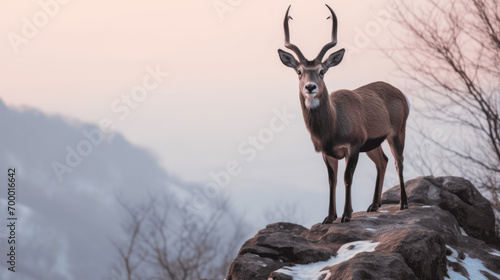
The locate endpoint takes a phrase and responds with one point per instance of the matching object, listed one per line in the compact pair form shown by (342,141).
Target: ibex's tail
(407,103)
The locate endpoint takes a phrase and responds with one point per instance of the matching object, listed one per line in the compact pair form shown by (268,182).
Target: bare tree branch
(166,241)
(451,51)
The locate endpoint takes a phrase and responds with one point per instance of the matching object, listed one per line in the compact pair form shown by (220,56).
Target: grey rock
(446,225)
(373,266)
(456,195)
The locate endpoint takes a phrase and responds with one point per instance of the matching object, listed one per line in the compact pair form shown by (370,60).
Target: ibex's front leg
(332,166)
(351,163)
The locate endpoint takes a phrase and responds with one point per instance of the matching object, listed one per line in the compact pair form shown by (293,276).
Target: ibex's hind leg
(332,166)
(397,144)
(380,159)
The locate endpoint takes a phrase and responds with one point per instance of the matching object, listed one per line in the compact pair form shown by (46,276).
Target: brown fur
(369,112)
(344,123)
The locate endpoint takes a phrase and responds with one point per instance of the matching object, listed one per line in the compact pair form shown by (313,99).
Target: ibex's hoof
(345,219)
(372,208)
(403,206)
(329,220)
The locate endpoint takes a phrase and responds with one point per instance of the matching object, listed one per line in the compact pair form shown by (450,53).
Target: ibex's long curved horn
(289,45)
(334,36)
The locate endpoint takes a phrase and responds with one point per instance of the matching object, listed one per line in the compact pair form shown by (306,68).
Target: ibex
(344,123)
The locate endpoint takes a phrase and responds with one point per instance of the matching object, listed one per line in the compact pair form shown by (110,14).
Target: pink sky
(225,77)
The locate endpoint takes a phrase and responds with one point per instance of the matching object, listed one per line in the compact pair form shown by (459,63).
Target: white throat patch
(312,103)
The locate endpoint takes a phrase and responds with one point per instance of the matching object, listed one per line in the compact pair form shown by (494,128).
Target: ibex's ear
(334,59)
(288,59)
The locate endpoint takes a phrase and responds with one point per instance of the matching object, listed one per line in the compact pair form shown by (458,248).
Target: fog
(180,92)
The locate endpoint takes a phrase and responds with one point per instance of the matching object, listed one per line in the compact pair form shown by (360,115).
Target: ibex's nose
(311,88)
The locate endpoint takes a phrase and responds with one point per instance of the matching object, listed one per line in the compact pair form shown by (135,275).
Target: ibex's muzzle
(311,88)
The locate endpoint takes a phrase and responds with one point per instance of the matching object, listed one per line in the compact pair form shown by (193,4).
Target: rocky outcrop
(455,195)
(447,233)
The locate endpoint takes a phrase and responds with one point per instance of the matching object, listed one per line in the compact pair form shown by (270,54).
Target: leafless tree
(451,51)
(165,240)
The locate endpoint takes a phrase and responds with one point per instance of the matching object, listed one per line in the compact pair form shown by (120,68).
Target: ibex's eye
(322,72)
(299,72)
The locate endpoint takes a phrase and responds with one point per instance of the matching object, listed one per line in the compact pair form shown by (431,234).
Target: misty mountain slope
(65,227)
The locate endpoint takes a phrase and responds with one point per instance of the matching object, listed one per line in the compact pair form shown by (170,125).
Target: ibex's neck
(319,119)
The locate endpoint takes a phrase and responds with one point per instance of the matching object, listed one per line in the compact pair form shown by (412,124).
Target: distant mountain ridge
(65,225)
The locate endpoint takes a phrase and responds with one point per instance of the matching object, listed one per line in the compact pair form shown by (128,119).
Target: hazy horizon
(189,84)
